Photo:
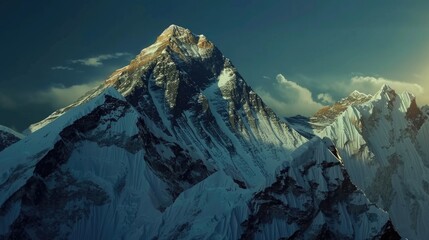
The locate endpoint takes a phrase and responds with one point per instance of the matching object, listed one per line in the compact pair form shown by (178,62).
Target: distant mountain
(310,126)
(8,137)
(176,145)
(383,144)
(327,115)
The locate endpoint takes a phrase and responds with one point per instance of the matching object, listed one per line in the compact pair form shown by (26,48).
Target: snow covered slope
(95,172)
(98,179)
(313,198)
(8,137)
(383,143)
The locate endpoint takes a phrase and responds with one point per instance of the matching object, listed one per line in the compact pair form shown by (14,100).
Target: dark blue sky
(322,48)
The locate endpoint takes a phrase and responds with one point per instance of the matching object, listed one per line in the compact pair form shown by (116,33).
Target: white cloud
(288,98)
(63,96)
(61,68)
(325,98)
(56,96)
(98,60)
(373,84)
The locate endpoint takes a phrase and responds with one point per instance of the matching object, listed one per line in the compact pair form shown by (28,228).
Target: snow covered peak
(356,94)
(182,41)
(385,92)
(327,115)
(176,31)
(11,131)
(383,143)
(385,88)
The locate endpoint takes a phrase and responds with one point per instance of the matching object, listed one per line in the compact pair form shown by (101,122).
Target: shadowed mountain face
(176,145)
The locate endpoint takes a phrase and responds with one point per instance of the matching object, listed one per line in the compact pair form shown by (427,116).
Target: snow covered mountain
(177,146)
(8,137)
(310,126)
(383,143)
(327,115)
(313,198)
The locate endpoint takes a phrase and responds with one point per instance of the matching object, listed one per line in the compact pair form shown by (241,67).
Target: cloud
(325,98)
(370,85)
(288,98)
(98,60)
(61,68)
(60,96)
(373,84)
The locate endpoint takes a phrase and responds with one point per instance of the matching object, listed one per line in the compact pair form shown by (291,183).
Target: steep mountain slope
(8,137)
(180,152)
(89,165)
(383,143)
(313,198)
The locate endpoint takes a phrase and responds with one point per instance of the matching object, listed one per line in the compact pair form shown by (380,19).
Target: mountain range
(176,145)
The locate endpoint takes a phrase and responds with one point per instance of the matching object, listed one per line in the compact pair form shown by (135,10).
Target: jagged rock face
(311,197)
(383,145)
(8,137)
(314,198)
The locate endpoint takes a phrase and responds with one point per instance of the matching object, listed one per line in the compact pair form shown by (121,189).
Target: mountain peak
(357,94)
(178,41)
(385,88)
(175,31)
(385,92)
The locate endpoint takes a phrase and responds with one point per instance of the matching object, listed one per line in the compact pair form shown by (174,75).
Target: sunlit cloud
(370,85)
(98,60)
(288,98)
(60,96)
(325,98)
(373,84)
